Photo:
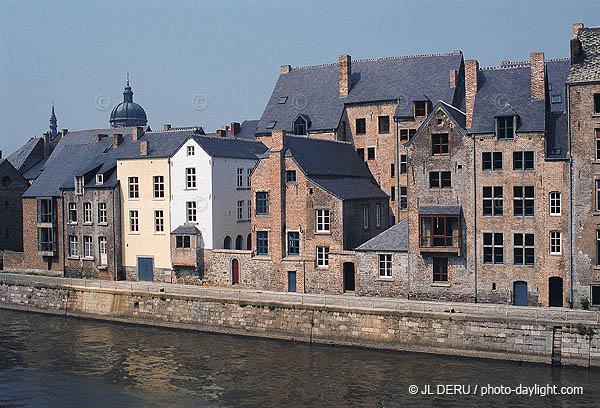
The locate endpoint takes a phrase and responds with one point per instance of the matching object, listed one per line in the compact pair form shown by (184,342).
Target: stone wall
(500,332)
(368,281)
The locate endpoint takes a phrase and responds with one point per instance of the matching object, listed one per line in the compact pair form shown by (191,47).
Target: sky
(209,63)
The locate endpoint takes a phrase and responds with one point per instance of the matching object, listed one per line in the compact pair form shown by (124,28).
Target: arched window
(249,242)
(239,242)
(300,126)
(227,242)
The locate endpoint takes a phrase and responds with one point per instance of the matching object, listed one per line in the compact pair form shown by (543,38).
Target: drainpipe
(114,236)
(397,171)
(62,215)
(568,94)
(475,213)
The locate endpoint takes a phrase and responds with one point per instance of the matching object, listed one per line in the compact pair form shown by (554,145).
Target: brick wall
(12,187)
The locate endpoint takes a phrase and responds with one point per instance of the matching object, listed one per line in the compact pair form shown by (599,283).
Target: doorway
(555,292)
(291,281)
(235,271)
(145,269)
(349,277)
(520,293)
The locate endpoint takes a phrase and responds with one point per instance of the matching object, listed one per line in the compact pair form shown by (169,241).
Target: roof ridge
(446,54)
(451,106)
(317,138)
(505,67)
(214,136)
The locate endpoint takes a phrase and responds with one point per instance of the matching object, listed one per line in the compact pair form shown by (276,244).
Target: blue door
(291,281)
(145,269)
(520,291)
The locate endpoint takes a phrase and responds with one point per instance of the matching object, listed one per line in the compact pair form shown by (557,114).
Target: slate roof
(19,158)
(589,68)
(557,72)
(247,130)
(314,91)
(230,147)
(188,229)
(556,136)
(394,239)
(440,210)
(349,188)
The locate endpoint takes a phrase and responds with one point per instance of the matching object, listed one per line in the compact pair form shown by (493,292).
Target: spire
(128,93)
(53,123)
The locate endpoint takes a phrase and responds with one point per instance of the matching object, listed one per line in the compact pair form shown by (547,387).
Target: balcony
(439,229)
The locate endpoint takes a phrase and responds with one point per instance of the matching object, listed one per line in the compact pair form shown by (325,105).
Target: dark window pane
(403,134)
(529,241)
(529,207)
(487,255)
(529,256)
(370,153)
(518,255)
(518,239)
(497,160)
(518,191)
(487,192)
(517,160)
(434,179)
(518,207)
(487,239)
(528,159)
(486,161)
(384,124)
(498,192)
(487,207)
(529,191)
(498,255)
(446,179)
(361,126)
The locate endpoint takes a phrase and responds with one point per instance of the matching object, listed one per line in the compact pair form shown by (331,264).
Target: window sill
(596,267)
(555,254)
(265,257)
(263,215)
(88,223)
(158,199)
(596,213)
(74,258)
(323,233)
(440,284)
(133,233)
(159,233)
(322,266)
(243,188)
(88,258)
(525,266)
(555,215)
(72,223)
(133,199)
(103,224)
(102,267)
(190,188)
(385,279)
(242,221)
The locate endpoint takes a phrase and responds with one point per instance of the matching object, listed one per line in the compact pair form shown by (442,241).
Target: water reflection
(55,361)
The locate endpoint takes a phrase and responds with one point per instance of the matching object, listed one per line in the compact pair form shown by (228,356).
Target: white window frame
(190,178)
(79,183)
(249,209)
(190,211)
(323,220)
(87,213)
(102,250)
(555,243)
(240,178)
(240,210)
(158,183)
(249,173)
(73,246)
(159,221)
(555,203)
(322,257)
(134,188)
(384,262)
(88,247)
(191,151)
(134,221)
(99,179)
(72,208)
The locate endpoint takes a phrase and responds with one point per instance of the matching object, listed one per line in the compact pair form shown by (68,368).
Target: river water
(51,361)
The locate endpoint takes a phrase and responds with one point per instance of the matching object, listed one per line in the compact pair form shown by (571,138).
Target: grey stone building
(12,187)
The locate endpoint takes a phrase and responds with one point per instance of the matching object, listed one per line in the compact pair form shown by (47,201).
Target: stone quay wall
(530,334)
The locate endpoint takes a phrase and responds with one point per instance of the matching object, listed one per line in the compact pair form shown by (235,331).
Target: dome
(128,113)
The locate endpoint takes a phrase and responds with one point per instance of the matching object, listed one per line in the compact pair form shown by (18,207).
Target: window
(411,132)
(393,193)
(523,161)
(597,131)
(99,179)
(72,213)
(598,247)
(420,109)
(440,179)
(439,144)
(385,265)
(87,213)
(300,126)
(249,203)
(493,248)
(290,176)
(439,231)
(190,177)
(366,217)
(102,215)
(597,103)
(505,128)
(378,215)
(248,174)
(46,239)
(190,150)
(79,183)
(555,203)
(403,164)
(227,242)
(240,209)
(440,269)
(403,198)
(262,203)
(159,221)
(102,251)
(73,246)
(370,153)
(392,170)
(159,184)
(240,178)
(361,154)
(322,217)
(556,99)
(134,188)
(491,161)
(46,211)
(133,221)
(322,256)
(183,242)
(293,243)
(524,202)
(524,253)
(555,243)
(271,124)
(493,201)
(262,242)
(598,195)
(190,207)
(88,247)
(384,124)
(361,126)
(403,134)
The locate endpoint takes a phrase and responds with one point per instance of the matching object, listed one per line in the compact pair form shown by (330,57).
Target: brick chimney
(453,78)
(167,126)
(235,129)
(285,69)
(471,70)
(538,76)
(143,148)
(137,132)
(97,138)
(46,138)
(576,51)
(65,131)
(576,28)
(221,133)
(345,74)
(117,139)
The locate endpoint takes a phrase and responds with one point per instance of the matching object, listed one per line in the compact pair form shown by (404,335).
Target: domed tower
(128,113)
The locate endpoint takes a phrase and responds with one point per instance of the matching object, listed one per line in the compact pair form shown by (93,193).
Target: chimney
(137,133)
(221,133)
(65,131)
(0,154)
(471,70)
(235,128)
(576,28)
(143,148)
(46,137)
(277,140)
(285,69)
(345,68)
(453,78)
(97,139)
(167,126)
(117,139)
(538,76)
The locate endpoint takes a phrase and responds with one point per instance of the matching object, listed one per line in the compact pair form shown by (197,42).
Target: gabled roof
(393,239)
(349,188)
(589,68)
(187,229)
(20,158)
(314,91)
(230,147)
(457,116)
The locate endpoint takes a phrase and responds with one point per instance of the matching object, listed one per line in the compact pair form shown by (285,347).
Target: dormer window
(271,124)
(79,185)
(421,109)
(282,100)
(505,127)
(556,99)
(99,179)
(300,126)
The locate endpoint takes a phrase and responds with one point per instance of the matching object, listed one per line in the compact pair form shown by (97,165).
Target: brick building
(12,187)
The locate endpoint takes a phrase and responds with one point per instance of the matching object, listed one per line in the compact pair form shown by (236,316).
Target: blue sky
(229,52)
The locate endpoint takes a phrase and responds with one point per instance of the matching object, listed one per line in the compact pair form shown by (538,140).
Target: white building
(210,189)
